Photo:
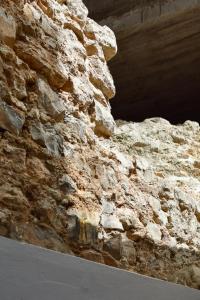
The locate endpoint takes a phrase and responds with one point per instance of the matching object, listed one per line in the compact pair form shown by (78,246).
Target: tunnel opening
(157,68)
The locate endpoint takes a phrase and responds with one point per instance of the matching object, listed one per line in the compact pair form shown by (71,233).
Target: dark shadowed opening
(157,68)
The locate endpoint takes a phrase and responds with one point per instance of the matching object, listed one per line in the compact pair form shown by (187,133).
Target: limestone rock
(188,276)
(113,246)
(128,251)
(47,136)
(108,207)
(111,222)
(77,9)
(7,27)
(49,100)
(40,60)
(100,76)
(104,122)
(67,184)
(10,119)
(93,256)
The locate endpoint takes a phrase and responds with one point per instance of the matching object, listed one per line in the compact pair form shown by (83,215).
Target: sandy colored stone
(73,180)
(7,27)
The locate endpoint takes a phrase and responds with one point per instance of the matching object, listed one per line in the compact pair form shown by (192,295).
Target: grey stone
(153,231)
(49,100)
(108,207)
(142,163)
(113,246)
(187,276)
(48,137)
(184,200)
(128,250)
(10,119)
(105,124)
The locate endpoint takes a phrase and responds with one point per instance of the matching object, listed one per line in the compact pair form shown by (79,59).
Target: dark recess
(157,68)
(177,101)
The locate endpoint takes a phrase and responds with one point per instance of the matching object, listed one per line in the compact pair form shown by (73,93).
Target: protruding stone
(82,227)
(11,119)
(48,137)
(100,76)
(108,207)
(50,100)
(141,163)
(111,222)
(67,184)
(104,35)
(77,9)
(113,246)
(40,60)
(7,28)
(153,231)
(189,275)
(128,250)
(104,122)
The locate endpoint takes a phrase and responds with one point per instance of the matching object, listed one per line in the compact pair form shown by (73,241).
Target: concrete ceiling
(156,70)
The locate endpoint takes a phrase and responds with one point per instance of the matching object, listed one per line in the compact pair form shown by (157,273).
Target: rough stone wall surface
(73,181)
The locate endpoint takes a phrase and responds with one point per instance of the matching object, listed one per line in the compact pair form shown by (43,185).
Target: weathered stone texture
(69,179)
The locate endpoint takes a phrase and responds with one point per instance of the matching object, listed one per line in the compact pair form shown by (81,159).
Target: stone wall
(71,179)
(55,88)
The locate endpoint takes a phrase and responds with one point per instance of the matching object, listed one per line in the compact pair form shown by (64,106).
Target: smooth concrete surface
(32,273)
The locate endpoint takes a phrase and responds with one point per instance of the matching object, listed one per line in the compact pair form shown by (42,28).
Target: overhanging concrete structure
(31,273)
(156,70)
